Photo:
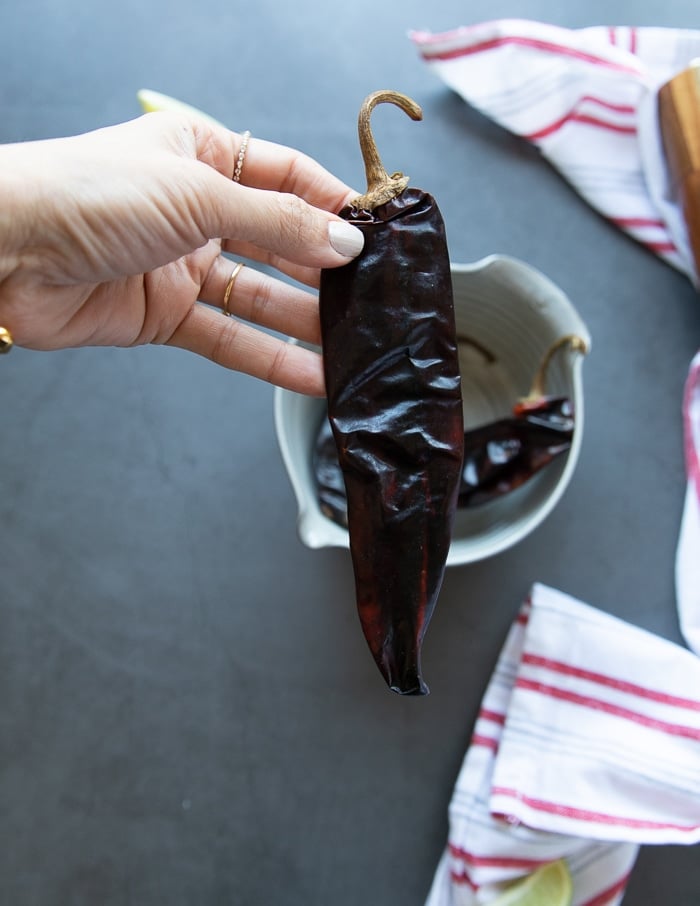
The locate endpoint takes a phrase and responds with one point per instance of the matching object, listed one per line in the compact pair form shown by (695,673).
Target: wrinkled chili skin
(502,455)
(395,408)
(330,485)
(499,456)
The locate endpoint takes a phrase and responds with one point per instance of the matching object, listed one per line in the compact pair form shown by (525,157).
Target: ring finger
(261,299)
(309,276)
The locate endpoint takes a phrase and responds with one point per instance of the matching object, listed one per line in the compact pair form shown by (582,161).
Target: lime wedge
(151,101)
(550,885)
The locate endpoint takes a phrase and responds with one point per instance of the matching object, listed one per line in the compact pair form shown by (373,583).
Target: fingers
(310,276)
(262,300)
(270,166)
(274,167)
(280,223)
(283,205)
(238,346)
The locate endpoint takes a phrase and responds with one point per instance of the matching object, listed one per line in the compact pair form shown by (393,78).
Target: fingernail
(347,240)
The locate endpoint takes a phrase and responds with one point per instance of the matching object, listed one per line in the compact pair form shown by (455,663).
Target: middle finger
(309,276)
(264,300)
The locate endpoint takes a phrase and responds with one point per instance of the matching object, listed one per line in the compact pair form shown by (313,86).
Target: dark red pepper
(499,456)
(502,455)
(395,406)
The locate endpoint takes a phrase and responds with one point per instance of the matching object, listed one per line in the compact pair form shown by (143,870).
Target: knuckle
(277,365)
(224,350)
(262,301)
(295,219)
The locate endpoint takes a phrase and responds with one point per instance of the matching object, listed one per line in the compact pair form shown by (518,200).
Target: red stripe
(586,119)
(611,681)
(609,893)
(524,611)
(632,32)
(522,40)
(659,247)
(462,878)
(609,105)
(633,40)
(494,716)
(479,740)
(495,861)
(639,222)
(598,704)
(568,811)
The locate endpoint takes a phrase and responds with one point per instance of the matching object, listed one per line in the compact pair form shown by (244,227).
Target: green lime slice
(152,101)
(550,885)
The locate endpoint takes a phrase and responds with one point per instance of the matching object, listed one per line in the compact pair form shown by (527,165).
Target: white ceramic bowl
(512,314)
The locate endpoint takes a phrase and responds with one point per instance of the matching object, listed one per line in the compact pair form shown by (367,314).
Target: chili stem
(381,187)
(576,344)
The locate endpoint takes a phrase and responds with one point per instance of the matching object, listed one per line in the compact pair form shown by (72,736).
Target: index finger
(268,165)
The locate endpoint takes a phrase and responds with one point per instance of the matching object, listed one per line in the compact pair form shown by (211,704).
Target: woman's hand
(115,237)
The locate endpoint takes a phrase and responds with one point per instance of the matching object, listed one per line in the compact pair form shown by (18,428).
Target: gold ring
(245,138)
(229,287)
(6,341)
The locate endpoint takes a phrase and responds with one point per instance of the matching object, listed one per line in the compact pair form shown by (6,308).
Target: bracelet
(6,340)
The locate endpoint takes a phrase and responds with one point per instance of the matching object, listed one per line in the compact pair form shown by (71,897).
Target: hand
(114,238)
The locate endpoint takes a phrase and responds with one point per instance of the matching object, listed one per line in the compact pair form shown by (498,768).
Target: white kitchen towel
(688,550)
(587,99)
(587,744)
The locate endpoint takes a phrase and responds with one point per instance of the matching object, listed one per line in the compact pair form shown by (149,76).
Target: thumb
(282,223)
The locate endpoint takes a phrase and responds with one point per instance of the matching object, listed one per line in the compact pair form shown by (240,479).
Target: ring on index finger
(245,138)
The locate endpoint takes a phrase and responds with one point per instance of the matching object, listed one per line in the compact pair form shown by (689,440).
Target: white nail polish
(347,240)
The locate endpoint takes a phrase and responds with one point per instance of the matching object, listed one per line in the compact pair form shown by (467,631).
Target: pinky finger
(240,347)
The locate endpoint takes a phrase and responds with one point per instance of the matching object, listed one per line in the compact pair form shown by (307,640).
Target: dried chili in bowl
(502,455)
(395,406)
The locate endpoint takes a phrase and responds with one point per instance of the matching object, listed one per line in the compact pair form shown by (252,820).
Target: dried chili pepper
(499,456)
(395,406)
(330,484)
(504,454)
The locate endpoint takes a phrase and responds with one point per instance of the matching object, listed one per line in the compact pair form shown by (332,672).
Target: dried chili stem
(381,187)
(574,342)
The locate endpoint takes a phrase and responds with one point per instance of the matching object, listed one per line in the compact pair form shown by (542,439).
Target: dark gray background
(188,713)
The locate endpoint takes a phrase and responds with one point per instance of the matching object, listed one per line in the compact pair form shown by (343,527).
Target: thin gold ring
(6,341)
(229,287)
(245,138)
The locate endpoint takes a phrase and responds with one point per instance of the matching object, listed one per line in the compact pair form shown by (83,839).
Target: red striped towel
(688,550)
(586,99)
(587,745)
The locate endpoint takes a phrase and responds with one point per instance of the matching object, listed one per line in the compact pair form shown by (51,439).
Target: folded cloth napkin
(688,550)
(587,744)
(587,99)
